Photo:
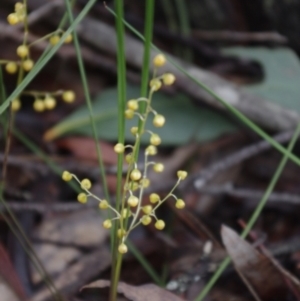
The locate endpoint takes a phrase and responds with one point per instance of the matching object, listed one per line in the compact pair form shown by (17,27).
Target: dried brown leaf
(255,269)
(146,292)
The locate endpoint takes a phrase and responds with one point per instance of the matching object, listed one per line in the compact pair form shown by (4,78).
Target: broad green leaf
(184,121)
(281,84)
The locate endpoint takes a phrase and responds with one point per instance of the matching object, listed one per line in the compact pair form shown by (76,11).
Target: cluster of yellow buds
(18,15)
(25,63)
(56,36)
(136,179)
(44,100)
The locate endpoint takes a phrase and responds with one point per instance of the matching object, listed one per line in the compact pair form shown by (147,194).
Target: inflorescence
(42,100)
(132,213)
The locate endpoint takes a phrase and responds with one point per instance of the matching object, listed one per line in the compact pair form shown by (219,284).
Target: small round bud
(133,186)
(129,114)
(129,158)
(122,248)
(119,148)
(159,60)
(39,105)
(54,39)
(159,120)
(85,184)
(13,19)
(28,65)
(158,167)
(22,51)
(155,139)
(68,96)
(154,198)
(181,174)
(180,204)
(66,176)
(133,201)
(133,104)
(68,39)
(160,224)
(19,6)
(121,233)
(125,213)
(103,204)
(151,150)
(50,102)
(11,67)
(107,224)
(145,182)
(168,79)
(134,130)
(155,84)
(16,105)
(135,175)
(147,209)
(82,198)
(146,220)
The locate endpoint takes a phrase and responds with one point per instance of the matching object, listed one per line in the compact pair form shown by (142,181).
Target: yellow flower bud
(103,204)
(68,96)
(151,150)
(22,51)
(85,184)
(129,114)
(125,213)
(13,19)
(181,174)
(16,105)
(155,84)
(147,209)
(122,248)
(159,120)
(107,224)
(50,102)
(39,105)
(158,167)
(134,130)
(28,65)
(133,104)
(159,60)
(129,158)
(160,224)
(155,139)
(135,175)
(154,198)
(145,182)
(121,233)
(180,204)
(146,220)
(66,176)
(168,79)
(133,201)
(54,39)
(68,39)
(11,67)
(119,148)
(82,198)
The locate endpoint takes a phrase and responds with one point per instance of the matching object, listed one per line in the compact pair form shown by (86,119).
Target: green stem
(150,4)
(254,216)
(121,67)
(229,107)
(185,30)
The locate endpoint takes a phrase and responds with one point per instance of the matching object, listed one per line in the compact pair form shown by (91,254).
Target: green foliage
(282,72)
(184,121)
